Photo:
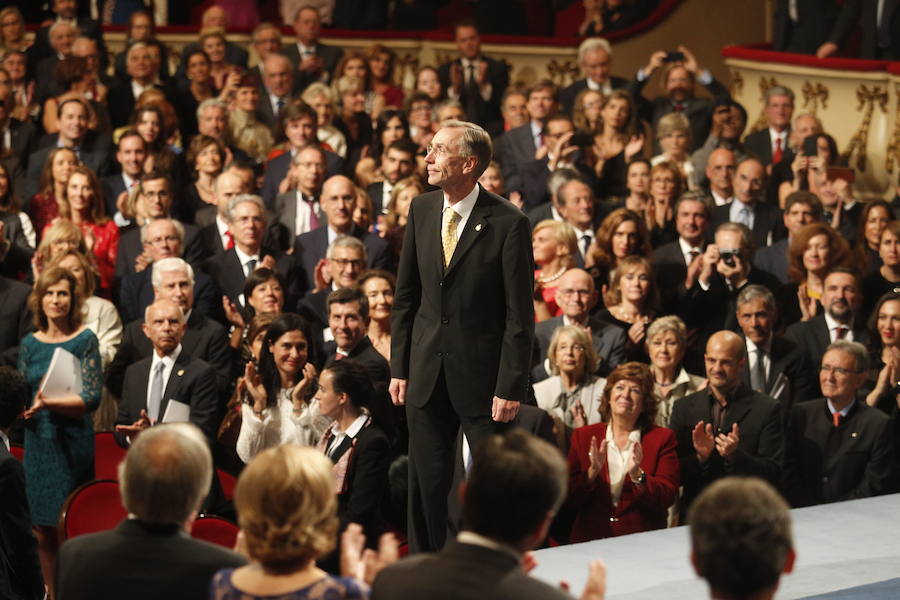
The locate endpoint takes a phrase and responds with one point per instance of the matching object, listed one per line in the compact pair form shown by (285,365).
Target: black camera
(674,57)
(728,256)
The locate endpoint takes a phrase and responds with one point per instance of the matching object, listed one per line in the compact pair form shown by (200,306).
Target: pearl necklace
(553,277)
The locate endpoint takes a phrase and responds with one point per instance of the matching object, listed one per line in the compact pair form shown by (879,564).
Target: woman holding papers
(59,437)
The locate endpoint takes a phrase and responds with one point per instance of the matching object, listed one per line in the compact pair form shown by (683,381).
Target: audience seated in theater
(741,519)
(623,472)
(678,78)
(476,80)
(885,278)
(313,60)
(667,347)
(391,126)
(844,447)
(595,59)
(873,220)
(621,234)
(251,136)
(813,253)
(666,185)
(263,294)
(554,249)
(678,264)
(726,429)
(140,75)
(632,302)
(673,135)
(131,154)
(728,122)
(275,89)
(520,144)
(379,287)
(324,101)
(278,406)
(515,485)
(163,480)
(749,207)
(800,209)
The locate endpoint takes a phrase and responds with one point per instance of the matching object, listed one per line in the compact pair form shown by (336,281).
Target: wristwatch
(641,479)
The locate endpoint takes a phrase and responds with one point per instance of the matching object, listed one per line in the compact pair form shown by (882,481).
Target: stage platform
(844,550)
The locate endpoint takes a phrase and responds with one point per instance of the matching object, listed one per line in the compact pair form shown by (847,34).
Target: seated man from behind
(164,479)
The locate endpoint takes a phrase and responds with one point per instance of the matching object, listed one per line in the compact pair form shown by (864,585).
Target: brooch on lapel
(478,227)
(854,434)
(180,372)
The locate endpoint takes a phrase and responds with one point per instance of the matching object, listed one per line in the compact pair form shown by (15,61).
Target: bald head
(228,185)
(720,167)
(214,16)
(724,358)
(575,294)
(338,201)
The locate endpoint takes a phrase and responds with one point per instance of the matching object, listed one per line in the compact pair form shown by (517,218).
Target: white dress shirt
(351,432)
(686,249)
(775,135)
(753,356)
(833,328)
(222,228)
(302,222)
(246,257)
(616,460)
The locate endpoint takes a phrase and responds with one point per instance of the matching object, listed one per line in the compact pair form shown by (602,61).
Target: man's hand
(456,77)
(142,261)
(727,444)
(311,63)
(710,259)
(693,272)
(702,438)
(504,411)
(827,49)
(690,61)
(397,390)
(137,427)
(481,73)
(655,62)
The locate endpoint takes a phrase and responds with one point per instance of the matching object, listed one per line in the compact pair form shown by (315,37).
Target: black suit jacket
(136,294)
(811,30)
(112,185)
(759,145)
(192,381)
(96,152)
(121,102)
(813,338)
(130,247)
(865,12)
(228,274)
(23,137)
(760,451)
(768,224)
(379,372)
(609,342)
(16,263)
(20,571)
(514,149)
(462,571)
(568,95)
(15,319)
(671,271)
(853,460)
(485,113)
(774,259)
(310,248)
(791,379)
(330,55)
(203,339)
(172,565)
(475,320)
(277,170)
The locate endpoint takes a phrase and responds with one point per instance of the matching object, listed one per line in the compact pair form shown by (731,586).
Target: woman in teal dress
(59,437)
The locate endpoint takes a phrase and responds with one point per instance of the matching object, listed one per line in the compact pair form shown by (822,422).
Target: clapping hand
(726,444)
(232,313)
(597,457)
(255,388)
(300,391)
(578,417)
(633,465)
(702,438)
(361,563)
(137,427)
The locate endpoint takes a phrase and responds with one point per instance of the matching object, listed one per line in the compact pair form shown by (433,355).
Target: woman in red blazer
(623,473)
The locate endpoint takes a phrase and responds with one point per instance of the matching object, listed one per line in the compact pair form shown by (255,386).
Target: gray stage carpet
(842,549)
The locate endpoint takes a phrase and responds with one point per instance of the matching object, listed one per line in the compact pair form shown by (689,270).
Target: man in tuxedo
(20,569)
(595,59)
(142,76)
(61,37)
(678,79)
(312,60)
(299,123)
(93,149)
(168,374)
(726,429)
(729,119)
(455,365)
(398,161)
(519,145)
(800,209)
(298,210)
(577,296)
(163,481)
(775,366)
(337,202)
(770,145)
(802,26)
(275,92)
(880,22)
(203,338)
(741,520)
(844,448)
(131,153)
(841,299)
(15,317)
(678,264)
(476,80)
(348,318)
(515,485)
(749,207)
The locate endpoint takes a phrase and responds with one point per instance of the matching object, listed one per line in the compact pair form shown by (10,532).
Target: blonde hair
(672,123)
(287,507)
(61,230)
(564,234)
(580,336)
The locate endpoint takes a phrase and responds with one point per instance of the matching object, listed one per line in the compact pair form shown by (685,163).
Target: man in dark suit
(229,270)
(22,134)
(844,448)
(771,145)
(299,122)
(275,91)
(131,153)
(726,429)
(398,161)
(20,569)
(800,209)
(678,78)
(880,22)
(476,80)
(15,317)
(551,209)
(299,210)
(458,366)
(841,299)
(15,250)
(214,238)
(313,60)
(169,374)
(141,76)
(337,202)
(576,296)
(802,26)
(94,150)
(675,261)
(164,479)
(65,12)
(721,150)
(266,40)
(515,485)
(520,144)
(776,366)
(595,59)
(749,207)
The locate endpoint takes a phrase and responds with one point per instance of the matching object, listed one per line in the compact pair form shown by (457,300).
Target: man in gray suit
(298,209)
(576,296)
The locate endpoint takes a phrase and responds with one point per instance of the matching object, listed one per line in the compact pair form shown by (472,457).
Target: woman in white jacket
(278,406)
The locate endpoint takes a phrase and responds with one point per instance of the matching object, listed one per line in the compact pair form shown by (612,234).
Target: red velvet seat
(107,456)
(228,482)
(95,506)
(215,530)
(17,451)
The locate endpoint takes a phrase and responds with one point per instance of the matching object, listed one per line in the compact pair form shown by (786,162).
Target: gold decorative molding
(563,72)
(737,83)
(814,95)
(765,84)
(866,99)
(892,154)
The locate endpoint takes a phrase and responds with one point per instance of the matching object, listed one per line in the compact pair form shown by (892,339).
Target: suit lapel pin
(478,227)
(854,434)
(181,372)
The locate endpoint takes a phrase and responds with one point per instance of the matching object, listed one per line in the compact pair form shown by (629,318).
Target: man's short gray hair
(241,198)
(592,44)
(210,103)
(450,102)
(559,178)
(179,229)
(347,241)
(779,90)
(168,265)
(855,349)
(56,25)
(475,141)
(754,291)
(132,47)
(166,474)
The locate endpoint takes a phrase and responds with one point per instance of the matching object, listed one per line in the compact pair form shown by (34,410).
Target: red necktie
(779,153)
(841,332)
(836,419)
(339,356)
(679,107)
(230,244)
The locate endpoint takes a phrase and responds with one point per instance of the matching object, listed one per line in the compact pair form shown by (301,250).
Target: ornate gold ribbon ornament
(814,94)
(866,100)
(892,154)
(765,84)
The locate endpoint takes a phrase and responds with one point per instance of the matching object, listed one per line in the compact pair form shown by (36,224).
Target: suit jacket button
(440,354)
(445,320)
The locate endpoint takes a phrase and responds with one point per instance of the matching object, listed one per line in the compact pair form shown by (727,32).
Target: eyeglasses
(171,239)
(839,371)
(567,293)
(437,151)
(344,262)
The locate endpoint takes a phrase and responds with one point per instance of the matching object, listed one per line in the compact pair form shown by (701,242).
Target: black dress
(633,351)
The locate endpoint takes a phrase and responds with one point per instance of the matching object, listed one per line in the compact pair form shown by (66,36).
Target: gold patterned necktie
(450,222)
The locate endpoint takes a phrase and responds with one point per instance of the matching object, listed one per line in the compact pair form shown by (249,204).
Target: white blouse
(280,425)
(616,460)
